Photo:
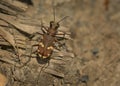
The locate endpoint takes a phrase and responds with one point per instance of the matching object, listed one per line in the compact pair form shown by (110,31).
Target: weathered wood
(15,5)
(7,36)
(55,73)
(23,27)
(7,10)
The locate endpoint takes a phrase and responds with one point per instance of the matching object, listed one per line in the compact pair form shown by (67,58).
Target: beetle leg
(32,49)
(30,56)
(44,29)
(42,68)
(32,35)
(62,37)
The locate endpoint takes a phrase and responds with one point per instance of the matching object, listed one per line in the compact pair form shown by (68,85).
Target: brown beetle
(49,38)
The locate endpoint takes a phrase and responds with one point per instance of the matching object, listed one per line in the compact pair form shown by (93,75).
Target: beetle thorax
(52,32)
(53,28)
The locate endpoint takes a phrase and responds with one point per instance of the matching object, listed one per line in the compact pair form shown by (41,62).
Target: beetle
(49,38)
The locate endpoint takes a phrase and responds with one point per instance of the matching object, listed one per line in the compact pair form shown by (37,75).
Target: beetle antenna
(62,19)
(53,9)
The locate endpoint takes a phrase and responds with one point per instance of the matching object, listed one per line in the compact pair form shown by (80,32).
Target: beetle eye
(57,25)
(51,23)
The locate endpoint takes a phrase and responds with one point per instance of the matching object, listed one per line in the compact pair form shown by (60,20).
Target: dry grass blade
(7,36)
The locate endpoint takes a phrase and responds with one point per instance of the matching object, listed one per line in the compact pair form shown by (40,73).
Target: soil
(90,56)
